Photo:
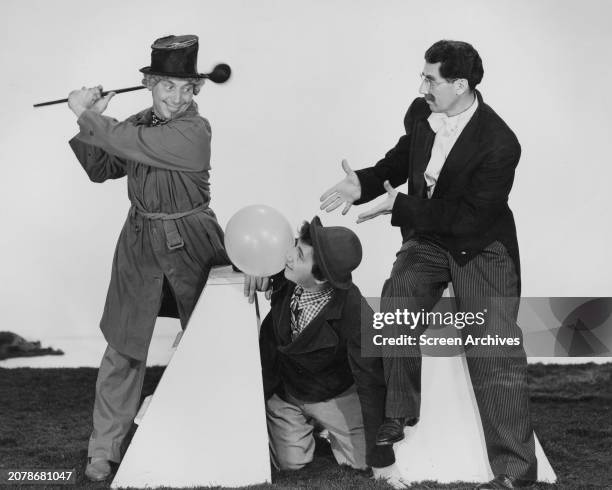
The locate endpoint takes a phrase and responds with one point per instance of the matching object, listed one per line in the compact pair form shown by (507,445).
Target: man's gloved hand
(89,98)
(391,475)
(255,283)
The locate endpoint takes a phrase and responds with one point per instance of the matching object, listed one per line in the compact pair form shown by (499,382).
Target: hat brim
(315,226)
(147,71)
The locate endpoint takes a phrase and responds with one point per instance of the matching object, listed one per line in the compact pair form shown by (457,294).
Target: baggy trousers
(420,274)
(291,424)
(118,391)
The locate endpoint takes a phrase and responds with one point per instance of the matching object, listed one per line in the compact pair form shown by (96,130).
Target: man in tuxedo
(458,157)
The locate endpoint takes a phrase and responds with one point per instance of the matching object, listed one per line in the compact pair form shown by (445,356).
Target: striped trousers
(420,274)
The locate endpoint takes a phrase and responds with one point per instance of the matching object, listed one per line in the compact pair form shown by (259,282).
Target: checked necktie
(294,306)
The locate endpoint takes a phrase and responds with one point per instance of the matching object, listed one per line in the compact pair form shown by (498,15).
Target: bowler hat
(337,251)
(174,56)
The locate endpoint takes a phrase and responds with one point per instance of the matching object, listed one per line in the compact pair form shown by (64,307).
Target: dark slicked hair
(458,60)
(304,234)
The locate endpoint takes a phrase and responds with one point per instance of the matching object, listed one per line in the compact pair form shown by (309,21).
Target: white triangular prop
(447,444)
(206,423)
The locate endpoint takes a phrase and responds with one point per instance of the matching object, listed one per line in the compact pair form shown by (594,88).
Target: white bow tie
(438,120)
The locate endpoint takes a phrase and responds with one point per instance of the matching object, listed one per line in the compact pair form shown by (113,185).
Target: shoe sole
(97,479)
(390,442)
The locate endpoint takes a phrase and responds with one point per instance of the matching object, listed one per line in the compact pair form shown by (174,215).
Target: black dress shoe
(505,482)
(390,431)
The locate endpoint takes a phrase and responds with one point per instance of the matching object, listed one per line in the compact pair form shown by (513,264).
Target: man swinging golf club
(170,239)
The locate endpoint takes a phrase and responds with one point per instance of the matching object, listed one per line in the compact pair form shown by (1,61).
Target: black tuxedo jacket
(325,359)
(469,207)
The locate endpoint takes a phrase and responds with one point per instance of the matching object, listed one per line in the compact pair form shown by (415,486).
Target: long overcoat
(167,169)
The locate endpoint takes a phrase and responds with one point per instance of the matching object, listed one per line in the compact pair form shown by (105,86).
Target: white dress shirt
(447,131)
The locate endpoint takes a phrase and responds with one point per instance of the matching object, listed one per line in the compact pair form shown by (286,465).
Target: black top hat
(337,250)
(174,56)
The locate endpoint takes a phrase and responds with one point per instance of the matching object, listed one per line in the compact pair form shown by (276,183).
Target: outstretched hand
(346,192)
(384,207)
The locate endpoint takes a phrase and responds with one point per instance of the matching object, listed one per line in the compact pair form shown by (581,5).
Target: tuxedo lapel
(423,142)
(463,149)
(465,146)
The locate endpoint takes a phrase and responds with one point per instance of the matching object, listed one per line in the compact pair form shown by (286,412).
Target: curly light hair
(150,81)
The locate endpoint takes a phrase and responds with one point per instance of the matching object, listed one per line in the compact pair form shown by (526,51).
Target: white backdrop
(313,82)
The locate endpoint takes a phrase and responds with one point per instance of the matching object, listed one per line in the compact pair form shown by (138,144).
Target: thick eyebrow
(429,77)
(300,252)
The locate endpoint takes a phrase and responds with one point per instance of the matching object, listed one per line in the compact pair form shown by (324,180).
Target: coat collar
(317,334)
(423,142)
(143,118)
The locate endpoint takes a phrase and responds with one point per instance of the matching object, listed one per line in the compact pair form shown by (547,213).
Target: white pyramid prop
(448,443)
(206,423)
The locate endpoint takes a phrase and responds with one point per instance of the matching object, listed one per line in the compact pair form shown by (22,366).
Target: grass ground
(45,423)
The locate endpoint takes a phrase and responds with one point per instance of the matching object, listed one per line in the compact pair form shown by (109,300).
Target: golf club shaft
(106,92)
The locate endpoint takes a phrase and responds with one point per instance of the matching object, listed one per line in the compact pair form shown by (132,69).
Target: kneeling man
(313,372)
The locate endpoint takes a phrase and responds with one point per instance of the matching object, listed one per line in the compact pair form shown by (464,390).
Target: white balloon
(257,239)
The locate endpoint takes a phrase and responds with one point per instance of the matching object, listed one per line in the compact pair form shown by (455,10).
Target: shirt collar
(437,120)
(310,297)
(146,117)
